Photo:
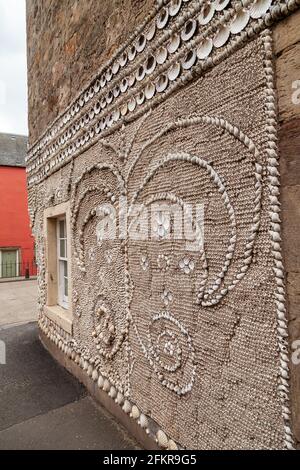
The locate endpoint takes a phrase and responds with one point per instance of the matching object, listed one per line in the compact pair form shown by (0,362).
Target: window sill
(60,316)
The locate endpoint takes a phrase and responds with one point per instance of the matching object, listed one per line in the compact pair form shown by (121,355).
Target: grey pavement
(18,302)
(42,406)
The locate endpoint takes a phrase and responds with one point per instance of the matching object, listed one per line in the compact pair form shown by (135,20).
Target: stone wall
(67,43)
(192,346)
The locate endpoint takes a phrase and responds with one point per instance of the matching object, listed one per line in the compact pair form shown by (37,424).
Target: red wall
(14,218)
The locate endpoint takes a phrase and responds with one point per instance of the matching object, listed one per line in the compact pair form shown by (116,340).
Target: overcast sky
(13,75)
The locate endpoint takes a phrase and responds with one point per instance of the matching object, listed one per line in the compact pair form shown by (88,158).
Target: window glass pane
(62,231)
(62,249)
(66,286)
(65,269)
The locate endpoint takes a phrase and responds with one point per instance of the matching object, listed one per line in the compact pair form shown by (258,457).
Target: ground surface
(18,302)
(42,406)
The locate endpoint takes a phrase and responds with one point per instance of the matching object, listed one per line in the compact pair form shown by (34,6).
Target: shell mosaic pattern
(179,40)
(204,333)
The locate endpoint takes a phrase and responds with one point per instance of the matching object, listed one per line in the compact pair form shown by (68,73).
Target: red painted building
(16,241)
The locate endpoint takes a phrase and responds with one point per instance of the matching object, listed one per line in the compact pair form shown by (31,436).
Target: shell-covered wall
(191,342)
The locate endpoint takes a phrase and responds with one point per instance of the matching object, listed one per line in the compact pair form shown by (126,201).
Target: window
(62,264)
(58,266)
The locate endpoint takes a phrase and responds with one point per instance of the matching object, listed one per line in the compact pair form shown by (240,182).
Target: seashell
(95,375)
(174,7)
(126,407)
(97,86)
(162,439)
(189,30)
(103,103)
(103,81)
(123,59)
(135,412)
(189,60)
(124,109)
(100,381)
(172,445)
(106,385)
(240,21)
(150,91)
(221,36)
(161,83)
(221,4)
(108,74)
(141,43)
(116,67)
(140,98)
(119,398)
(116,91)
(109,97)
(259,8)
(161,55)
(162,18)
(97,107)
(131,104)
(90,371)
(112,392)
(143,421)
(124,85)
(131,53)
(116,114)
(206,14)
(204,48)
(151,32)
(173,44)
(109,120)
(174,71)
(150,64)
(140,74)
(131,80)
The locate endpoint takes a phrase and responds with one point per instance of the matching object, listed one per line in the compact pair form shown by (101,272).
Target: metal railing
(26,269)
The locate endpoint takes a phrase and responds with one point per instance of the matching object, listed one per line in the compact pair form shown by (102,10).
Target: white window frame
(62,263)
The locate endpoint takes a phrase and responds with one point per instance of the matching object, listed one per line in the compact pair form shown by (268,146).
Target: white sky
(13,68)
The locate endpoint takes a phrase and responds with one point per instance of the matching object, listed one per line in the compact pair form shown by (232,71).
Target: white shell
(161,55)
(115,68)
(189,60)
(123,59)
(143,421)
(119,398)
(259,8)
(140,98)
(240,21)
(162,439)
(174,71)
(150,64)
(150,90)
(95,375)
(103,81)
(141,43)
(106,385)
(131,80)
(132,53)
(221,36)
(100,381)
(108,75)
(135,412)
(173,44)
(151,32)
(131,104)
(172,445)
(161,83)
(140,74)
(112,392)
(116,91)
(207,13)
(189,30)
(124,109)
(174,7)
(221,4)
(126,407)
(162,18)
(204,49)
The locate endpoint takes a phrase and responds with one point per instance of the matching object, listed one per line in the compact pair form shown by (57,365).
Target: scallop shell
(240,21)
(207,13)
(189,30)
(135,412)
(175,7)
(116,67)
(126,406)
(123,59)
(119,398)
(143,421)
(204,48)
(100,381)
(112,392)
(221,36)
(161,83)
(150,64)
(151,32)
(163,18)
(189,60)
(132,53)
(150,91)
(173,44)
(131,104)
(140,98)
(141,43)
(161,55)
(259,8)
(174,71)
(221,4)
(140,74)
(162,439)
